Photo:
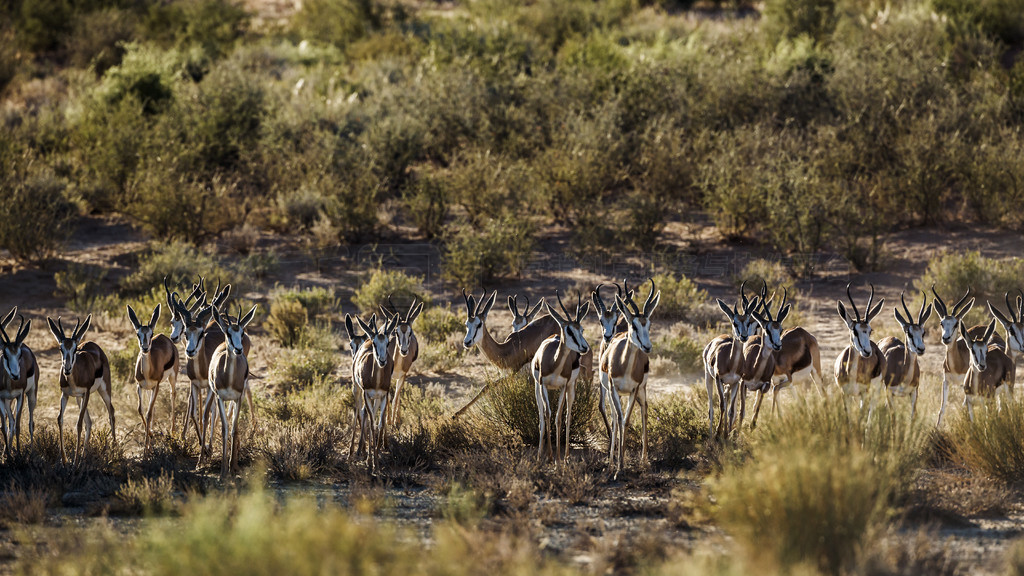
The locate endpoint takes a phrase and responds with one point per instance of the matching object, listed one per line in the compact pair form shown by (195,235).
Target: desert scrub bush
(182,265)
(33,193)
(25,505)
(426,204)
(310,537)
(286,321)
(993,443)
(338,22)
(146,74)
(772,272)
(80,285)
(437,323)
(304,368)
(988,279)
(319,302)
(149,496)
(816,19)
(502,248)
(819,484)
(676,429)
(301,449)
(683,346)
(511,408)
(681,299)
(382,283)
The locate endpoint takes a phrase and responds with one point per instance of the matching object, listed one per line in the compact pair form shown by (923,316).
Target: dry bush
(993,443)
(501,248)
(383,283)
(287,320)
(148,496)
(989,279)
(511,407)
(300,450)
(25,506)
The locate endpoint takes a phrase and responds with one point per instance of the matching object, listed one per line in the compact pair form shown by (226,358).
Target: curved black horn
(939,304)
(562,306)
(871,299)
(905,309)
(856,313)
(955,311)
(650,298)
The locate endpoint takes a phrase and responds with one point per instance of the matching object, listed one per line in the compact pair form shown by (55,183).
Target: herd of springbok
(758,356)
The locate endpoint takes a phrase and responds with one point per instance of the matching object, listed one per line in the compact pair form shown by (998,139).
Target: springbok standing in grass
(229,382)
(355,341)
(624,367)
(512,354)
(611,324)
(901,373)
(177,322)
(859,366)
(760,354)
(957,360)
(371,378)
(406,352)
(20,375)
(1013,323)
(556,366)
(723,362)
(158,360)
(991,372)
(521,319)
(84,370)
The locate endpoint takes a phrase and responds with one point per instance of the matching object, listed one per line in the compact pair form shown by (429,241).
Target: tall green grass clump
(993,443)
(511,407)
(819,484)
(400,286)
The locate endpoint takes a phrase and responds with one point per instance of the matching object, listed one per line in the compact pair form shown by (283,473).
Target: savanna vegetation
(485,129)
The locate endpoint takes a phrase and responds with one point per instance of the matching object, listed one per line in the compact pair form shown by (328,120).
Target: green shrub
(502,248)
(374,292)
(681,299)
(993,444)
(770,271)
(683,349)
(80,285)
(122,364)
(37,196)
(181,264)
(437,323)
(303,368)
(338,22)
(146,74)
(819,483)
(676,429)
(149,496)
(427,205)
(99,38)
(511,407)
(793,18)
(287,320)
(989,279)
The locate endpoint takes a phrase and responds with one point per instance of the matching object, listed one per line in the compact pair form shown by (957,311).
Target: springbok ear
(598,304)
(155,317)
(988,331)
(7,319)
(965,309)
(22,333)
(204,315)
(367,329)
(583,312)
(85,328)
(131,316)
(783,313)
(488,304)
(248,317)
(899,318)
(349,327)
(926,315)
(999,315)
(415,312)
(874,311)
(624,308)
(963,334)
(551,312)
(842,313)
(533,313)
(653,305)
(512,306)
(57,333)
(725,308)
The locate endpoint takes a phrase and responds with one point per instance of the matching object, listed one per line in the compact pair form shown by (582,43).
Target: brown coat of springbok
(157,361)
(84,369)
(19,381)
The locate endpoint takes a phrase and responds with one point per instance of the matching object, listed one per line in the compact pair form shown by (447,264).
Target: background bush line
(817,127)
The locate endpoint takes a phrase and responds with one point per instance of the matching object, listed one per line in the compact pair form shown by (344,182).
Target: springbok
(512,354)
(760,354)
(177,322)
(1013,323)
(84,369)
(203,336)
(406,352)
(158,360)
(371,378)
(355,341)
(859,365)
(957,360)
(556,366)
(20,374)
(624,366)
(228,379)
(901,372)
(521,319)
(723,362)
(609,318)
(991,372)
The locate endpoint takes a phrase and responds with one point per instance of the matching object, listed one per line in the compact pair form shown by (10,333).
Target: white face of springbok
(356,339)
(607,315)
(144,332)
(860,328)
(521,319)
(771,327)
(68,344)
(476,316)
(640,321)
(743,322)
(979,347)
(1014,323)
(571,326)
(914,331)
(177,321)
(949,319)
(403,328)
(12,349)
(379,339)
(233,331)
